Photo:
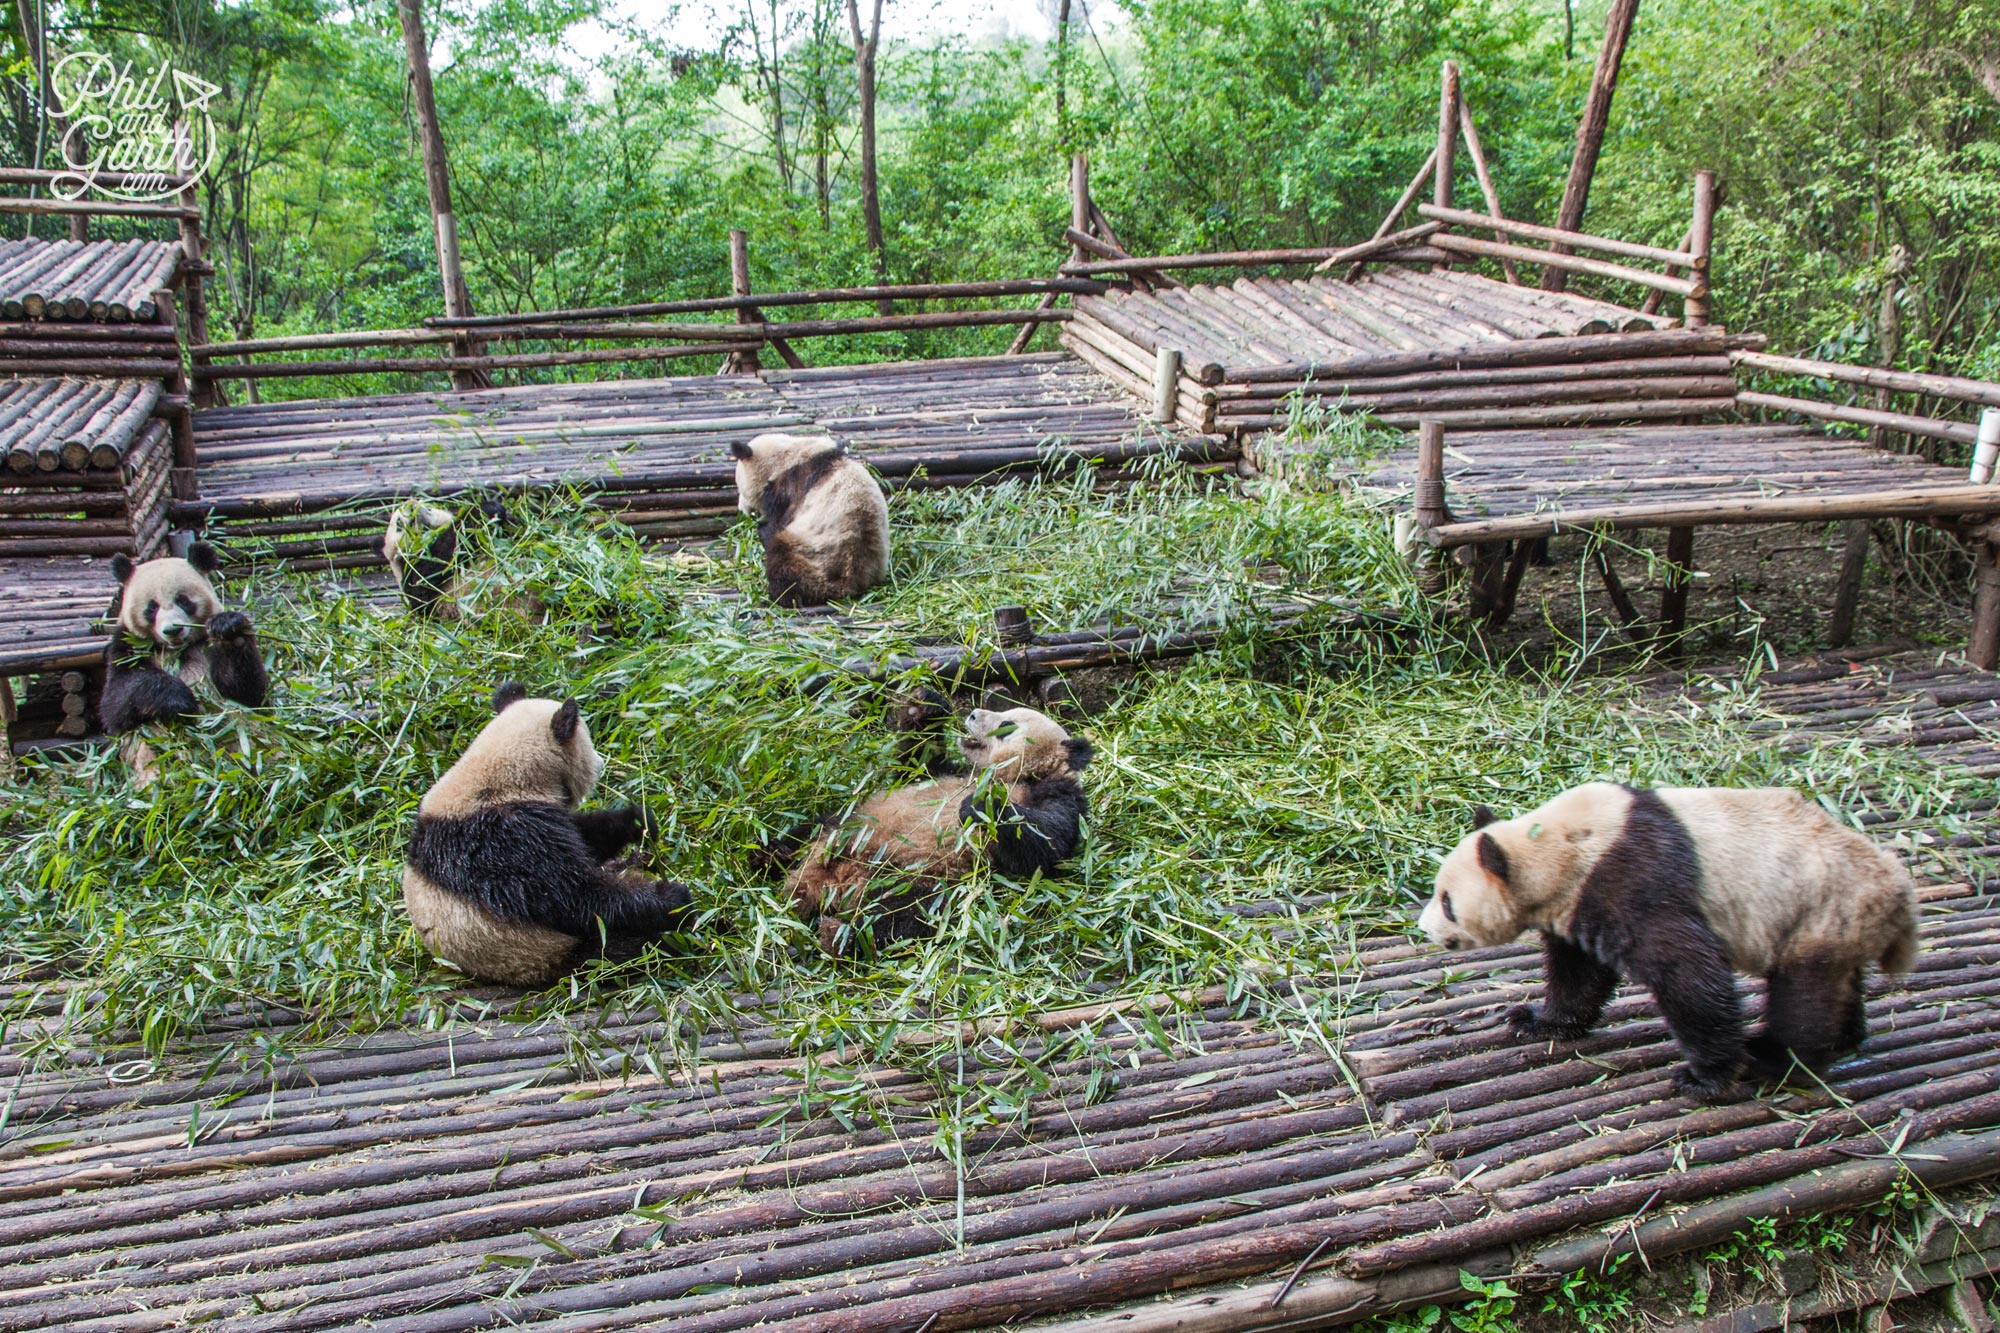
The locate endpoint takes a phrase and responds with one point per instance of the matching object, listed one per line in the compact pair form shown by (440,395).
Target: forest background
(1839,128)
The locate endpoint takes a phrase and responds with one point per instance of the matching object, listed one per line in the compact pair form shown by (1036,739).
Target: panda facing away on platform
(1680,888)
(506,879)
(1020,807)
(172,637)
(821,517)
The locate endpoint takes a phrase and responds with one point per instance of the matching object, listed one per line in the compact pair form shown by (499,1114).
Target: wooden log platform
(653,452)
(55,613)
(1508,484)
(535,1175)
(102,281)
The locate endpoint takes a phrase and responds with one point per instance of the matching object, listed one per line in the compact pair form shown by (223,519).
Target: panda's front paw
(1528,1023)
(1709,1087)
(229,626)
(635,823)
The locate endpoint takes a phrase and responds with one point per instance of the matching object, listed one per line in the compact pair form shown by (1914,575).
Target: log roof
(103,281)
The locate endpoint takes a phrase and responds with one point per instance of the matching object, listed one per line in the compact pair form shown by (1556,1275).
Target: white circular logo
(137,129)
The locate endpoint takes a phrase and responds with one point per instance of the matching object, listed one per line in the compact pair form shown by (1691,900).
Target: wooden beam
(1556,258)
(1701,238)
(1901,502)
(1963,390)
(1574,239)
(1396,210)
(1929,427)
(1590,129)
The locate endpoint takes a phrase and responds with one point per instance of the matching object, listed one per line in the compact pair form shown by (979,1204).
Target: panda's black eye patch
(1444,901)
(1005,729)
(185,603)
(152,611)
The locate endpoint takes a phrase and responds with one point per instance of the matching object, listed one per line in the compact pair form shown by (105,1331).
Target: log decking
(1384,1136)
(654,452)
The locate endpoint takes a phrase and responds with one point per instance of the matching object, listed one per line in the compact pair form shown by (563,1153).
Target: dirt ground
(1752,586)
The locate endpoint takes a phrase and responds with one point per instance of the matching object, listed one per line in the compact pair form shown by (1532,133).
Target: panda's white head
(168,601)
(1473,906)
(1020,744)
(767,456)
(413,526)
(532,750)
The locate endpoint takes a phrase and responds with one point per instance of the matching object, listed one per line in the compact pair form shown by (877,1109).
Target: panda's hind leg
(1812,1014)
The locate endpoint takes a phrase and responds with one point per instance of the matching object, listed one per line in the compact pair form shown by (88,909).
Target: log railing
(1939,389)
(747,331)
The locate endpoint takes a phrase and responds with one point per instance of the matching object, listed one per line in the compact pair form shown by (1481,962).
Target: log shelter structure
(1314,1152)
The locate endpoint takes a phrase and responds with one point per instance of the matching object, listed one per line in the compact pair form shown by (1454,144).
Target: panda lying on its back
(821,517)
(506,879)
(1021,806)
(171,635)
(1680,888)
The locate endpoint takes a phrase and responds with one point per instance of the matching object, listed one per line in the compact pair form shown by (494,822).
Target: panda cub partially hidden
(1020,807)
(425,546)
(506,879)
(821,517)
(1680,888)
(172,637)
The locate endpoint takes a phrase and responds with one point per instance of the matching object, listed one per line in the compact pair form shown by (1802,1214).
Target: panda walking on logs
(821,517)
(506,879)
(1680,888)
(1019,806)
(171,637)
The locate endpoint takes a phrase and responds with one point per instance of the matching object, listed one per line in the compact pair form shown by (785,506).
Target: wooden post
(1447,137)
(741,363)
(1984,651)
(1590,131)
(1012,626)
(1431,509)
(1855,532)
(1674,597)
(1079,220)
(1701,239)
(1470,133)
(1166,385)
(194,267)
(437,181)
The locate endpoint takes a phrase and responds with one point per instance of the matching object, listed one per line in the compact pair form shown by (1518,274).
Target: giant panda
(821,517)
(506,879)
(424,545)
(1019,806)
(170,637)
(1680,888)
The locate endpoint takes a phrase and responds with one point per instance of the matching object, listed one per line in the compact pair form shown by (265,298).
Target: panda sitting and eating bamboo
(506,879)
(1019,807)
(1680,888)
(821,517)
(171,638)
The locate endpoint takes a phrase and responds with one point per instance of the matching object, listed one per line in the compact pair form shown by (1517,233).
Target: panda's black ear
(563,725)
(1491,857)
(508,692)
(1482,815)
(204,558)
(739,449)
(1080,751)
(122,567)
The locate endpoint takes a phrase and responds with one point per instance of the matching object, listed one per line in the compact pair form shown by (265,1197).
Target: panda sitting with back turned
(506,879)
(172,637)
(1019,806)
(821,517)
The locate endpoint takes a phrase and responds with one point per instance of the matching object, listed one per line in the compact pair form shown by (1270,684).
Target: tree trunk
(1062,82)
(437,180)
(52,123)
(865,47)
(1590,130)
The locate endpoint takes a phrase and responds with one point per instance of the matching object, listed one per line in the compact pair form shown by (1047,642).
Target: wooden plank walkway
(1502,484)
(422,1182)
